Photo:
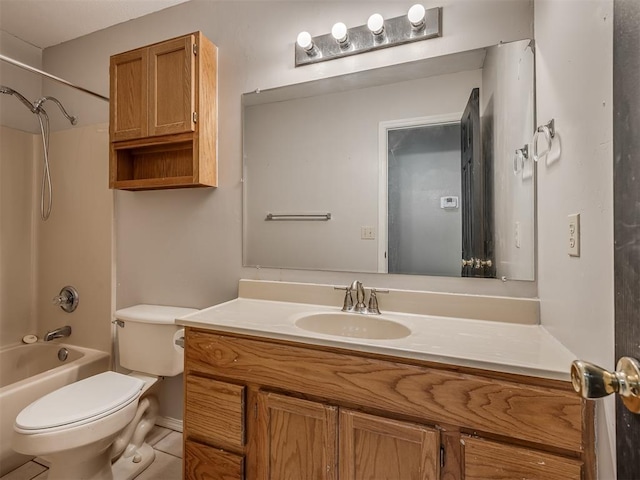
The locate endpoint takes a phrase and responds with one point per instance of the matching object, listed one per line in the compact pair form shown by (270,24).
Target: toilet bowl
(94,429)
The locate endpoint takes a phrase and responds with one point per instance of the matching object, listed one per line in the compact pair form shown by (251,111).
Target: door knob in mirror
(591,381)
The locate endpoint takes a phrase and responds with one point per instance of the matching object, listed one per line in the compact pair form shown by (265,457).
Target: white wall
(17,177)
(12,112)
(74,246)
(17,249)
(574,60)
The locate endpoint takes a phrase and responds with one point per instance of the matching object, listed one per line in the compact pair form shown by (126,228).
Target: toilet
(94,429)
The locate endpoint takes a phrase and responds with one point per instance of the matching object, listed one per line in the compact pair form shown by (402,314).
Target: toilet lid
(81,402)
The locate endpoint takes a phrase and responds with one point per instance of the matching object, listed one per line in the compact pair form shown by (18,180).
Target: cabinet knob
(592,381)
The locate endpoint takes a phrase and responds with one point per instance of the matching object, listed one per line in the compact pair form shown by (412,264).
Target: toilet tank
(146,340)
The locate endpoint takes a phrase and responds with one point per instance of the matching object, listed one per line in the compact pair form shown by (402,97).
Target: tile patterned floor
(166,466)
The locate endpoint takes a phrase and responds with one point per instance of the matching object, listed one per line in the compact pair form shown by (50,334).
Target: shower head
(11,91)
(37,106)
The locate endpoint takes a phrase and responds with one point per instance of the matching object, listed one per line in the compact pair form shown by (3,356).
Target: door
(476,195)
(423,169)
(128,95)
(299,438)
(626,154)
(172,86)
(383,449)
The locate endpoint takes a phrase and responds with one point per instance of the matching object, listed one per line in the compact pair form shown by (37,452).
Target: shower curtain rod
(52,77)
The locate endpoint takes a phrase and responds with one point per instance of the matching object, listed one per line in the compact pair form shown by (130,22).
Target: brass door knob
(592,381)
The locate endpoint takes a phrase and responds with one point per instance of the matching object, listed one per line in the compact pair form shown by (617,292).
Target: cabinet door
(172,86)
(377,448)
(485,459)
(298,439)
(128,91)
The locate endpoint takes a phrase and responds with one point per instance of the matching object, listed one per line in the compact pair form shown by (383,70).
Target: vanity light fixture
(417,24)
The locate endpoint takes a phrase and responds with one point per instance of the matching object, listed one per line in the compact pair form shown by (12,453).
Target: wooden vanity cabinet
(272,410)
(163,113)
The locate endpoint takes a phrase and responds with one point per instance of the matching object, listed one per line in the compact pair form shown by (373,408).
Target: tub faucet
(58,333)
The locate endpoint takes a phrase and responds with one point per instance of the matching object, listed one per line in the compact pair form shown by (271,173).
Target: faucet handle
(67,299)
(348,298)
(373,301)
(60,300)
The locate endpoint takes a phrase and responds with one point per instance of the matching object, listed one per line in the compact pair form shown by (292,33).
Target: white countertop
(498,346)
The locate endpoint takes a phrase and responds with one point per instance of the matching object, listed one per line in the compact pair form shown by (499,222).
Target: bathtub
(27,372)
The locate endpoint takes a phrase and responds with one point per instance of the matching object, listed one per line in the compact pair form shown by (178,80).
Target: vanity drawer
(486,459)
(207,463)
(530,413)
(215,411)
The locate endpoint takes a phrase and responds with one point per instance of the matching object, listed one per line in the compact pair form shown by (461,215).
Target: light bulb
(416,16)
(376,24)
(304,41)
(339,32)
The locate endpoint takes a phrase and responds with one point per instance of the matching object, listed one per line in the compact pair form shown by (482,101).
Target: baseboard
(171,423)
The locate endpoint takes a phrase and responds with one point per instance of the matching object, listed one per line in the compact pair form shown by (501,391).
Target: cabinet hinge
(441,456)
(195,117)
(195,49)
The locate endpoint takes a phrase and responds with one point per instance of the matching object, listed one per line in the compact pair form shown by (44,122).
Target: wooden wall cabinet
(259,409)
(163,114)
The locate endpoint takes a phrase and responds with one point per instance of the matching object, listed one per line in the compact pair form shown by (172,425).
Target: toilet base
(129,467)
(65,467)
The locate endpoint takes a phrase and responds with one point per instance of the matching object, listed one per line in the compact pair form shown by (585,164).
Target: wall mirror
(419,168)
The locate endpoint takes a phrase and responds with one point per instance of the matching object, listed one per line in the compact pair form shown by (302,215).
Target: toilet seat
(79,403)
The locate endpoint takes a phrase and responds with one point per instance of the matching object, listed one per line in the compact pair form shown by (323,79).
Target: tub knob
(68,299)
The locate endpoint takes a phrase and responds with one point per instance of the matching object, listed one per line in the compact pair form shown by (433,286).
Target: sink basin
(353,325)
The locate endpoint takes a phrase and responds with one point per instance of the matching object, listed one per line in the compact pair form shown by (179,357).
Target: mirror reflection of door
(423,192)
(476,193)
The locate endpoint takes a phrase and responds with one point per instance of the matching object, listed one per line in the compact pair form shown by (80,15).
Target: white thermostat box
(448,202)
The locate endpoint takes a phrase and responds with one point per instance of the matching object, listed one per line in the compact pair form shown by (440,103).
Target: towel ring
(549,132)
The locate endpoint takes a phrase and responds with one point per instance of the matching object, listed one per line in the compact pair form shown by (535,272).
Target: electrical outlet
(367,233)
(574,235)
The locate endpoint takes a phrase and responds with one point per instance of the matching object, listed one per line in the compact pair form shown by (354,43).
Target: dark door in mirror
(476,193)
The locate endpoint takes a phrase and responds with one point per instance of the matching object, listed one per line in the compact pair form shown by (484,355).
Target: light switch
(367,233)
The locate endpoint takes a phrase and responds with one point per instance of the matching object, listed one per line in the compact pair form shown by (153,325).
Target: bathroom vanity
(267,399)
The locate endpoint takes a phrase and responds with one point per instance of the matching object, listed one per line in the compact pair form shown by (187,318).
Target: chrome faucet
(359,306)
(57,333)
